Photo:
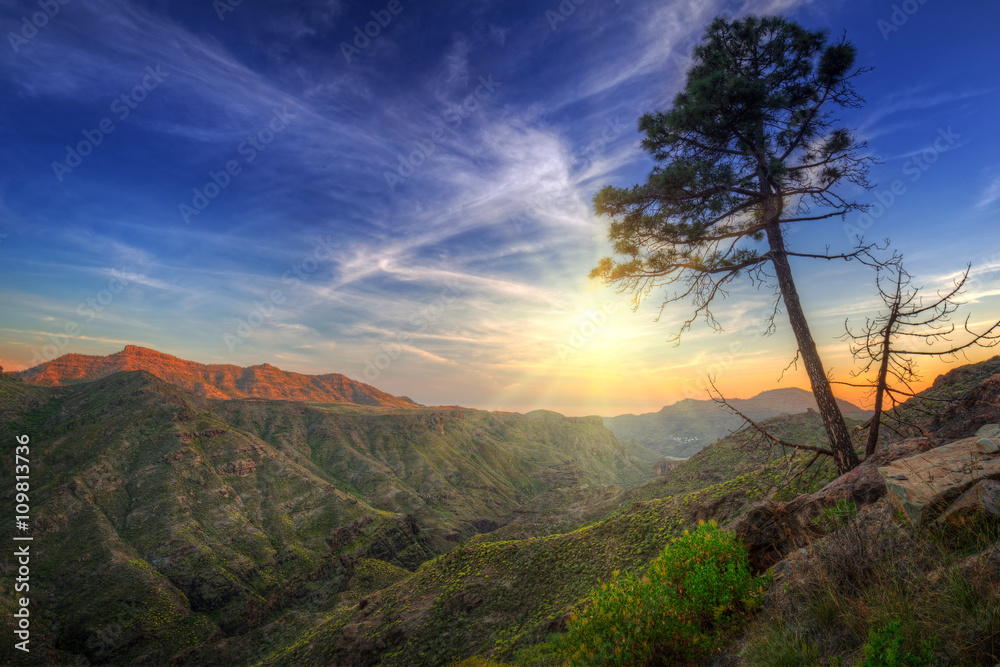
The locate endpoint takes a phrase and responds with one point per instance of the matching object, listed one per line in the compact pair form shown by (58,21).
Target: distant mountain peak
(222,381)
(684,427)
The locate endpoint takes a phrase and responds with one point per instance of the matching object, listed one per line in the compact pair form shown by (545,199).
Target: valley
(179,528)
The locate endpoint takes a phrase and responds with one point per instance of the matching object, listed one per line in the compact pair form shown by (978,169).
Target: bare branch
(719,399)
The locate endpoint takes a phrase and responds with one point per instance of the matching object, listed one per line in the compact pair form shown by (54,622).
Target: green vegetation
(689,597)
(371,574)
(836,515)
(885,649)
(260,532)
(170,518)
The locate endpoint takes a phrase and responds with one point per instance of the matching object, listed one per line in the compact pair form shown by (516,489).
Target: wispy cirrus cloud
(499,206)
(990,194)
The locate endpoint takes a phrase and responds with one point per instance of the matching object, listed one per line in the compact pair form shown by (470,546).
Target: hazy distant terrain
(684,428)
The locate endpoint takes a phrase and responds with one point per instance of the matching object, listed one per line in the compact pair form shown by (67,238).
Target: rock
(982,570)
(220,381)
(989,431)
(922,486)
(864,484)
(436,423)
(988,444)
(979,406)
(462,602)
(772,529)
(660,468)
(981,503)
(239,468)
(347,636)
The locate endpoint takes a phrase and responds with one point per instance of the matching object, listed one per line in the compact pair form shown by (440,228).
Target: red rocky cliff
(223,381)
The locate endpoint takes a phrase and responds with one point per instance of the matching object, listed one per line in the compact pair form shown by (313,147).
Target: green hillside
(162,519)
(172,527)
(504,592)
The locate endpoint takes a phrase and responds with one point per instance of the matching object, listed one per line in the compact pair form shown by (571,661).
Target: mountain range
(683,428)
(163,518)
(173,525)
(224,381)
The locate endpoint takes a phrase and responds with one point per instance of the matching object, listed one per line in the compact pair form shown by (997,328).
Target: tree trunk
(881,384)
(883,370)
(840,439)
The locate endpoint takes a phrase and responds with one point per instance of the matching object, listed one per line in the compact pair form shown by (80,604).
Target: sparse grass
(781,646)
(837,515)
(480,662)
(876,592)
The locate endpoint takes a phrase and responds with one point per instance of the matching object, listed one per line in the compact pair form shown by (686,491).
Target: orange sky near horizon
(602,377)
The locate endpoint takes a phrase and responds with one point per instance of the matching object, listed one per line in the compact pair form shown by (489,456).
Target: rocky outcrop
(239,468)
(923,486)
(222,381)
(953,483)
(974,393)
(980,503)
(660,468)
(771,529)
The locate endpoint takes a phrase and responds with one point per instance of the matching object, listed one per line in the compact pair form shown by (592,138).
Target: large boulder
(924,485)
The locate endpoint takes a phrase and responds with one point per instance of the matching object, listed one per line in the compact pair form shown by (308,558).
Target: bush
(693,593)
(885,649)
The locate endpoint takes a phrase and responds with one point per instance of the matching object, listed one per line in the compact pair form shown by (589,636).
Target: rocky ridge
(222,381)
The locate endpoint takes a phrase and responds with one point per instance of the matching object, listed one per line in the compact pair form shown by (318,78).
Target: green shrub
(885,649)
(694,592)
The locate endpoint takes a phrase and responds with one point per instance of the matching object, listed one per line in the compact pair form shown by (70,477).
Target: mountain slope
(213,380)
(173,528)
(957,403)
(162,519)
(506,590)
(687,426)
(156,526)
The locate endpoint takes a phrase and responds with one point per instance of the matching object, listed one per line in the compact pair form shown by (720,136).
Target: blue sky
(413,209)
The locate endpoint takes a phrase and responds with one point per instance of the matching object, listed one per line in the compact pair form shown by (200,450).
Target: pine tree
(748,148)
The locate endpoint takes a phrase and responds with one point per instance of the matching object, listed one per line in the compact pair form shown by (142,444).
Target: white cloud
(991,194)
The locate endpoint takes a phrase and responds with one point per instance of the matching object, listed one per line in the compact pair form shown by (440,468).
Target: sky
(243,182)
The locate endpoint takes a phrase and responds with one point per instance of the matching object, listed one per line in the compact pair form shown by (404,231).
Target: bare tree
(910,326)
